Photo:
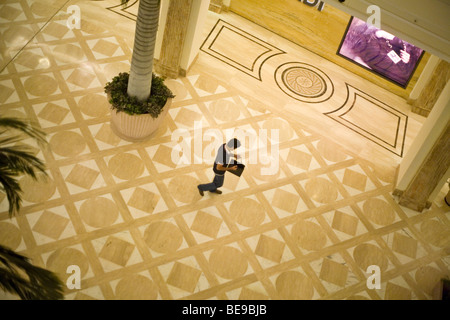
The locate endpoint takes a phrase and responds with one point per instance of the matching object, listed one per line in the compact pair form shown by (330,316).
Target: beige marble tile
(294,285)
(184,277)
(117,251)
(136,287)
(163,237)
(10,235)
(134,222)
(51,225)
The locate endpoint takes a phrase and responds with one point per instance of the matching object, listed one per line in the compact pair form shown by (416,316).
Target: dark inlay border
(122,10)
(311,77)
(399,135)
(255,70)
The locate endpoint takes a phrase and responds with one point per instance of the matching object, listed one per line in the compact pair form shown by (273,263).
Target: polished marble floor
(133,220)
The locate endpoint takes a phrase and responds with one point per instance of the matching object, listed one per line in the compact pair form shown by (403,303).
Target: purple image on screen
(380,51)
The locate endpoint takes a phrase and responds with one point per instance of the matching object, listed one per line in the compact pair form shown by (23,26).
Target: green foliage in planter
(120,101)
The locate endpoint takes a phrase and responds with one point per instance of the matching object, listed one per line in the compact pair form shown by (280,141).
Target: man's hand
(233,168)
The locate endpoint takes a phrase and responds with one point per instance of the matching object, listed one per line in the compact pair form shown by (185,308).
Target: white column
(426,139)
(162,25)
(194,34)
(424,77)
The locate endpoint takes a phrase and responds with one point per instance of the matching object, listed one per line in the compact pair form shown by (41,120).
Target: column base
(420,111)
(166,71)
(170,72)
(410,203)
(215,6)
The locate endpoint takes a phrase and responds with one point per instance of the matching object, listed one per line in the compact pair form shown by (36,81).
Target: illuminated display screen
(380,52)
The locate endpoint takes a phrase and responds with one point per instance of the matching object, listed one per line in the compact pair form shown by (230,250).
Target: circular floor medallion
(228,262)
(99,212)
(163,237)
(379,211)
(62,258)
(321,190)
(136,287)
(247,212)
(292,285)
(38,190)
(41,85)
(304,82)
(184,188)
(67,143)
(94,105)
(308,235)
(126,166)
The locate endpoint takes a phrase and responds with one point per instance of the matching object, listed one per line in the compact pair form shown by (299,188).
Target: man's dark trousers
(217,183)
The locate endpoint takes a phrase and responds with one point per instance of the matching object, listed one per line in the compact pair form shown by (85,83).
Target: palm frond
(19,160)
(11,187)
(17,274)
(25,127)
(16,160)
(40,284)
(9,140)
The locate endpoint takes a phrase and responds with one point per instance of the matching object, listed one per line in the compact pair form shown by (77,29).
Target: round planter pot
(137,127)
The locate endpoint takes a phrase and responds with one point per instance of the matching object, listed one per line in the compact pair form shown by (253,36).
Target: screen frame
(386,77)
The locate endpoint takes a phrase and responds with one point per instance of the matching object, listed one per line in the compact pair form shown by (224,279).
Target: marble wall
(318,31)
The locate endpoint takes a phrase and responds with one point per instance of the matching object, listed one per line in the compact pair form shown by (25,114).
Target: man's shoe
(200,191)
(218,192)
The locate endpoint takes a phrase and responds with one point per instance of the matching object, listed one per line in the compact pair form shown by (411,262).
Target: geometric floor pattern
(257,50)
(308,87)
(393,122)
(133,221)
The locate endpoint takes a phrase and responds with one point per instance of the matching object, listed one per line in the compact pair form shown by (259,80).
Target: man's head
(233,144)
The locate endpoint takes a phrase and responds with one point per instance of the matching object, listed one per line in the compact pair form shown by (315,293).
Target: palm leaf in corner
(16,160)
(17,274)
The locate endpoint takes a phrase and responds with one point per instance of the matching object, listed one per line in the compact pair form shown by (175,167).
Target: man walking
(223,159)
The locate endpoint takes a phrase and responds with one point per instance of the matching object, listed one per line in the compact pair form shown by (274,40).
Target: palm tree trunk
(140,81)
